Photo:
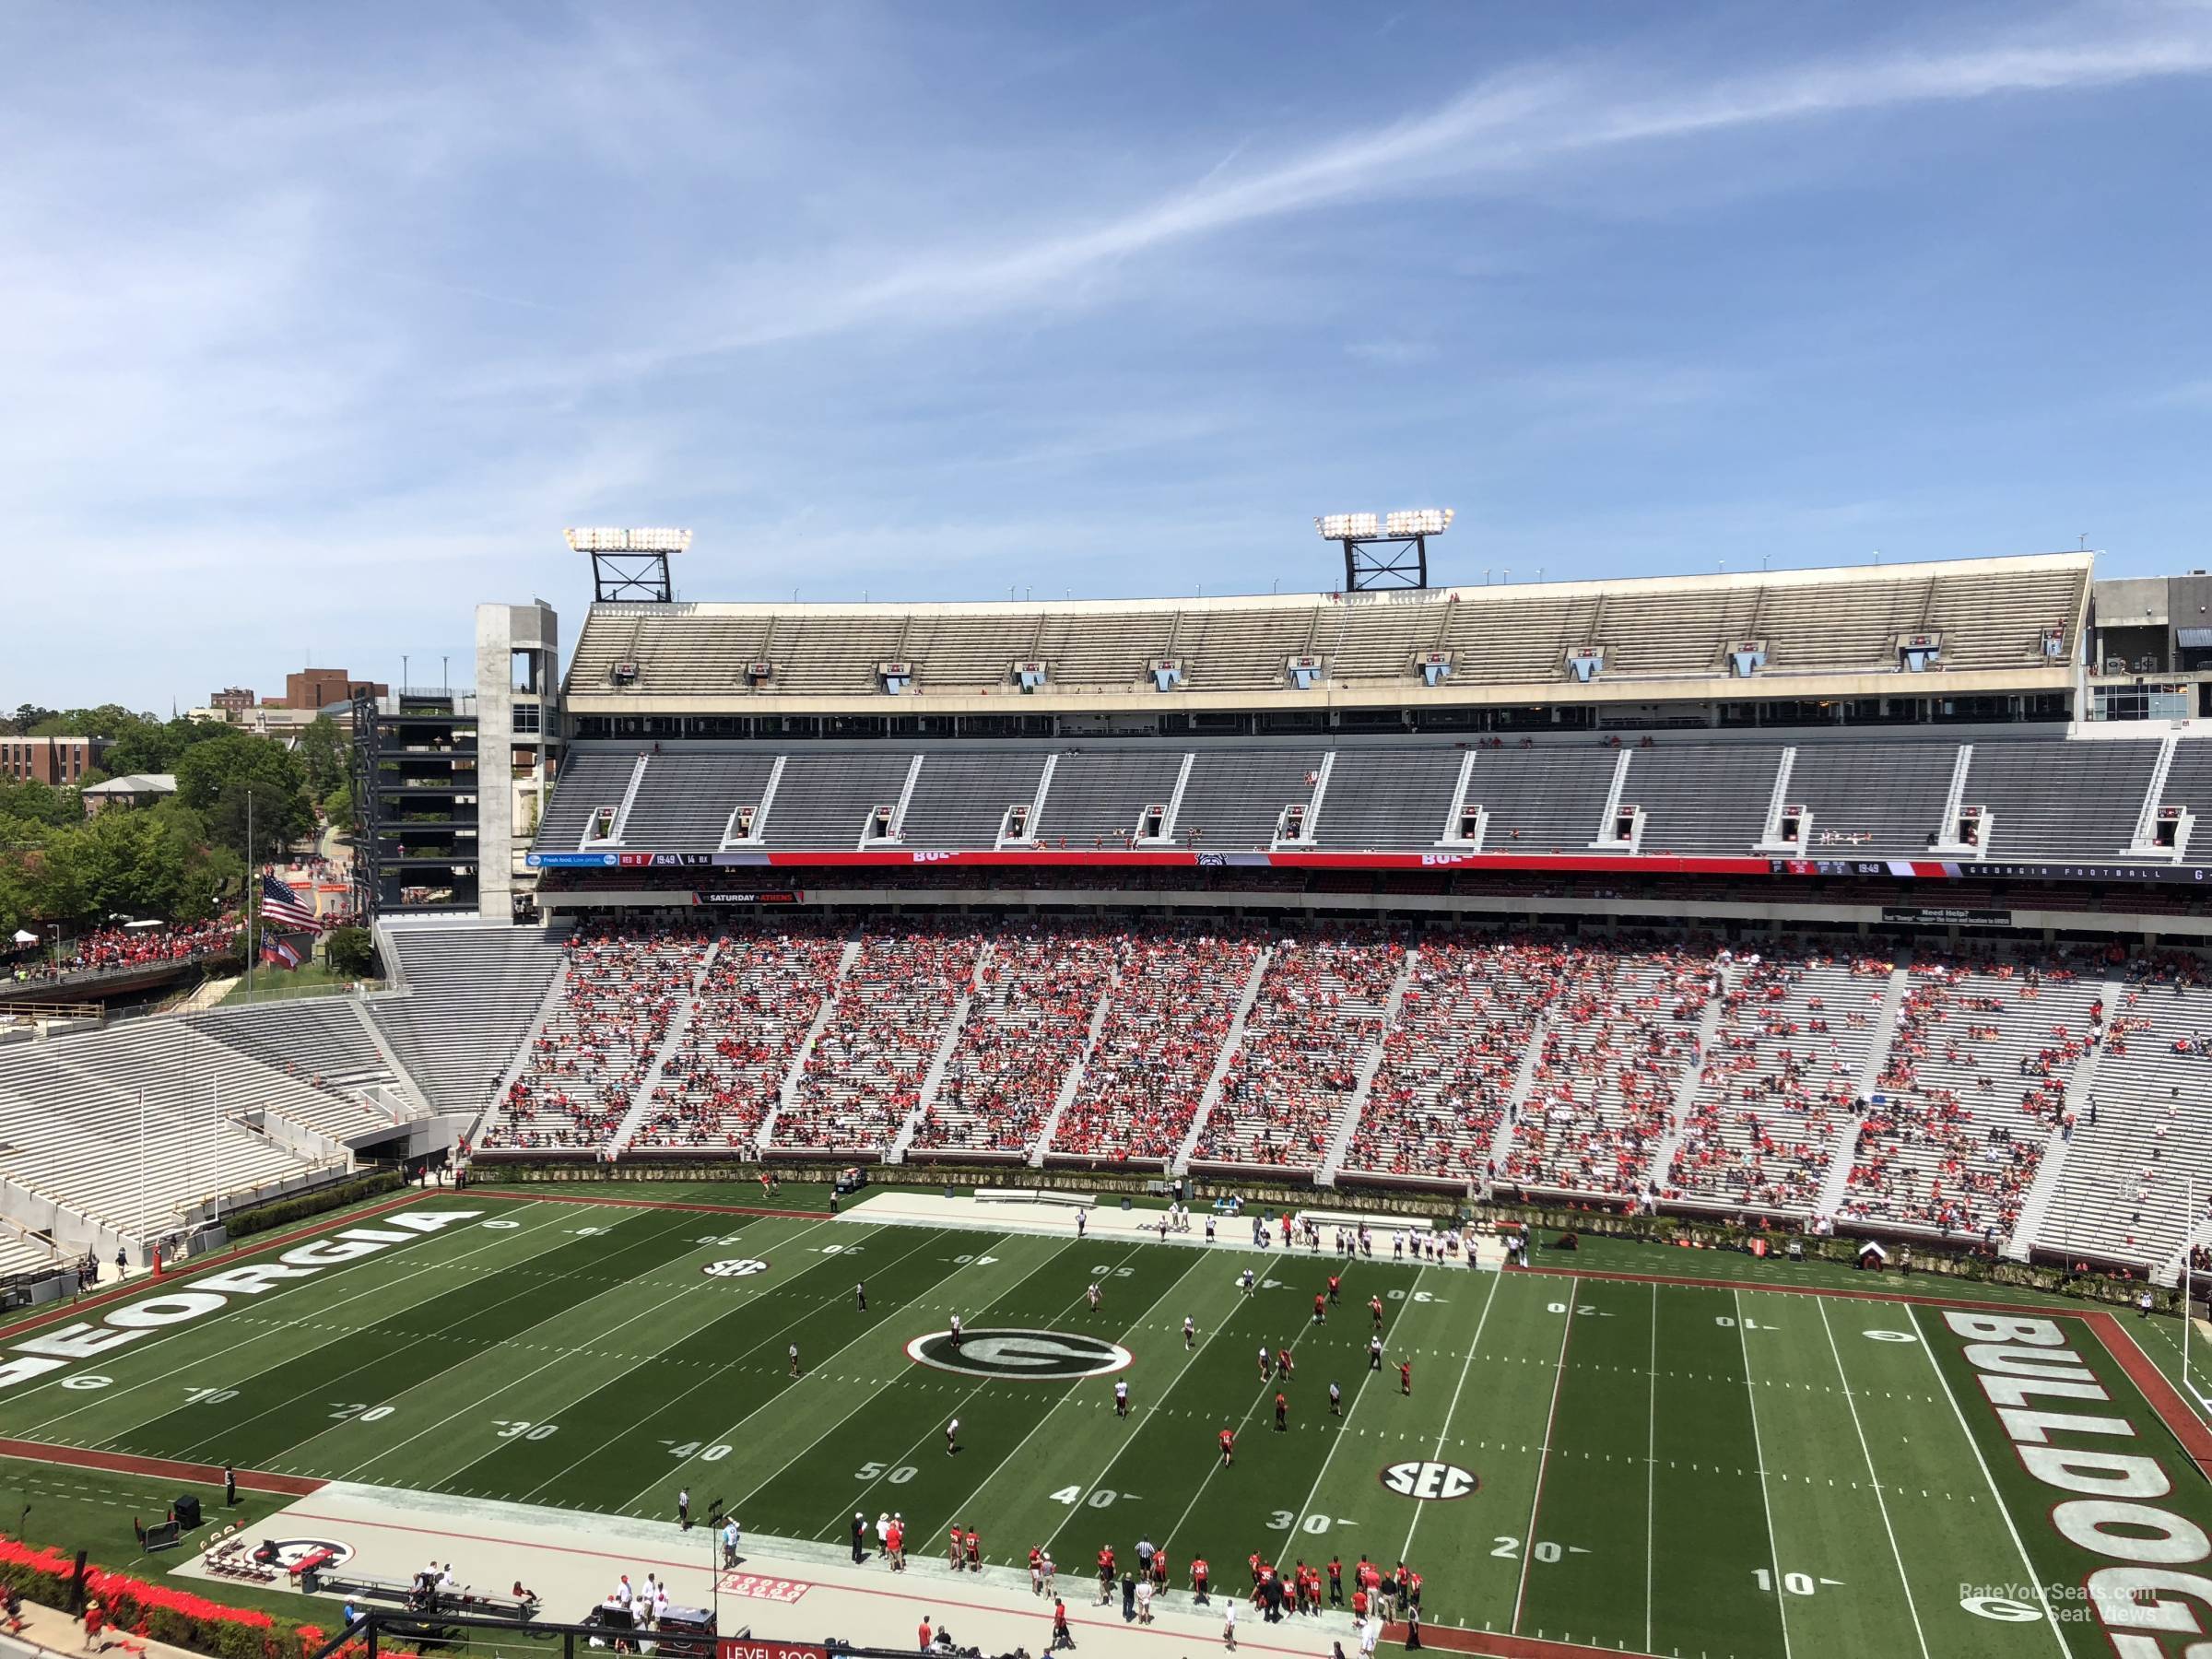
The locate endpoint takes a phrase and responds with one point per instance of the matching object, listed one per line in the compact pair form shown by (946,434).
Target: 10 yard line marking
(1651,1470)
(393,1283)
(1474,1347)
(1975,1446)
(1759,1453)
(1874,1478)
(1528,1543)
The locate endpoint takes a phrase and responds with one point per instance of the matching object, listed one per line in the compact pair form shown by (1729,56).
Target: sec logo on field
(737,1267)
(1021,1355)
(1430,1480)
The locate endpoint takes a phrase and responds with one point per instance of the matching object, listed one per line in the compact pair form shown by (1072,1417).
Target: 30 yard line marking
(1359,1395)
(1474,1347)
(311,1317)
(1974,1445)
(747,1296)
(1874,1478)
(1528,1543)
(1758,1452)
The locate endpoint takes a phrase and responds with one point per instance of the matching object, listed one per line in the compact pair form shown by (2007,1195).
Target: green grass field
(1677,1469)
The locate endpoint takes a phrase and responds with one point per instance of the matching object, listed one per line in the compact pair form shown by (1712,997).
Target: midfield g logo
(1020,1355)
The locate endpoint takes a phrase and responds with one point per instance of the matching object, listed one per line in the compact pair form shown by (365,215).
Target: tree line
(184,859)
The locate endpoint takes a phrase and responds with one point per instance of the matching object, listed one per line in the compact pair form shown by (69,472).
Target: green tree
(26,716)
(350,951)
(31,802)
(322,752)
(217,778)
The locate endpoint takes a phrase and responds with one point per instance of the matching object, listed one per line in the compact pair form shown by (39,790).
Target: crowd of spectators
(1622,1029)
(1449,1063)
(620,989)
(1025,1033)
(863,1078)
(1798,1027)
(1974,1083)
(1318,1015)
(1165,1025)
(112,948)
(757,1002)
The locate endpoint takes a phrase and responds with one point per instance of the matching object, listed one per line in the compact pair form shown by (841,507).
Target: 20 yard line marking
(1473,1347)
(1528,1543)
(1974,1445)
(1651,1467)
(1759,1453)
(1874,1476)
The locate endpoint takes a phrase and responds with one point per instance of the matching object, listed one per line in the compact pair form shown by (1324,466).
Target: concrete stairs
(1686,1091)
(2036,1205)
(641,1102)
(1369,1063)
(932,1080)
(1835,1181)
(1229,1045)
(1073,1080)
(805,1050)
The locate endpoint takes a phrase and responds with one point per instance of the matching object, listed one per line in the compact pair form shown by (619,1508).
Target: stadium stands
(890,1018)
(1798,1028)
(1974,1083)
(1168,1018)
(468,998)
(755,1005)
(589,1054)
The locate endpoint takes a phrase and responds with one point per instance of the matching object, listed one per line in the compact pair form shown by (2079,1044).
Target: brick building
(61,761)
(326,687)
(231,700)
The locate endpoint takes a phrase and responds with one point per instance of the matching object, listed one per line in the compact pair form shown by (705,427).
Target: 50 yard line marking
(1975,1446)
(1874,1478)
(1759,1453)
(1528,1543)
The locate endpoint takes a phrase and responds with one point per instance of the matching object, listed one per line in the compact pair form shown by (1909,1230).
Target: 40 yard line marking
(1873,1478)
(1759,1455)
(1528,1543)
(1974,1445)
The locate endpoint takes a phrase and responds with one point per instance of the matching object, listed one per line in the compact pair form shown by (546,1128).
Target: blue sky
(318,324)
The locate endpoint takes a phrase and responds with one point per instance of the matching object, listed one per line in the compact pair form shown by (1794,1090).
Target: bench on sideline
(1035,1195)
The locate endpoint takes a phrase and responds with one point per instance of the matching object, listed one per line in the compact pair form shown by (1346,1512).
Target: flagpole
(144,1255)
(219,1149)
(252,893)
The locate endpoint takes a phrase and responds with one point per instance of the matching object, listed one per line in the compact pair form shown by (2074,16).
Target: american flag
(280,907)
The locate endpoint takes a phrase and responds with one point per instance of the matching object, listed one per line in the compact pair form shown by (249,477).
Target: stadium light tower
(630,564)
(1389,552)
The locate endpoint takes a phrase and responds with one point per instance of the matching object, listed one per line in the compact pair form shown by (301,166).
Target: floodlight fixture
(1417,521)
(1347,526)
(630,565)
(659,538)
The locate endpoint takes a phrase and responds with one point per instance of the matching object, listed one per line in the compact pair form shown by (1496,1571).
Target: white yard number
(511,1430)
(359,1414)
(1072,1495)
(876,1471)
(1104,1271)
(1796,1584)
(1585,1309)
(710,1239)
(977,1260)
(1509,1549)
(587,1232)
(1418,1296)
(209,1396)
(1725,1323)
(705,1454)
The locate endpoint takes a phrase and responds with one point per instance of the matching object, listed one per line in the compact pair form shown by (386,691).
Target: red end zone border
(2158,1391)
(160,1468)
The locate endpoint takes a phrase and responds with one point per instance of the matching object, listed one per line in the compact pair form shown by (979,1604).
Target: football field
(1630,1465)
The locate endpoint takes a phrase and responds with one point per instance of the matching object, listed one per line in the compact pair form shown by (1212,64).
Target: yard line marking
(309,1321)
(1359,1395)
(1651,1467)
(1874,1476)
(1450,1411)
(379,1358)
(1758,1452)
(730,1434)
(748,1295)
(2033,1577)
(1528,1543)
(981,1486)
(969,1398)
